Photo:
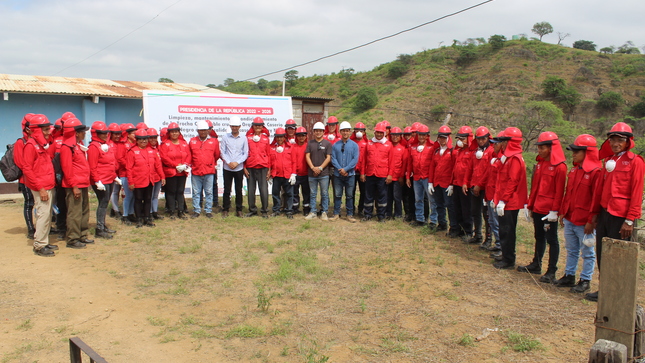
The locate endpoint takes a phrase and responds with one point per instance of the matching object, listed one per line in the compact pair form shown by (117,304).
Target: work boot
(323,216)
(474,240)
(335,217)
(275,214)
(442,227)
(592,296)
(111,231)
(417,223)
(132,218)
(156,215)
(75,244)
(239,214)
(250,214)
(149,222)
(581,287)
(351,219)
(194,215)
(101,233)
(172,215)
(265,215)
(502,265)
(125,220)
(181,215)
(44,252)
(566,281)
(224,214)
(484,246)
(140,223)
(453,233)
(217,209)
(209,215)
(548,277)
(533,268)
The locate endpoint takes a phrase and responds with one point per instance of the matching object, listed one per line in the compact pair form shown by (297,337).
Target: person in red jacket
(418,172)
(291,126)
(331,130)
(102,162)
(407,194)
(114,142)
(376,173)
(617,207)
(204,154)
(545,202)
(28,205)
(38,174)
(59,204)
(143,167)
(175,158)
(153,143)
(576,215)
(283,172)
(510,194)
(257,167)
(482,151)
(302,172)
(461,175)
(358,136)
(491,186)
(400,159)
(127,141)
(76,181)
(440,181)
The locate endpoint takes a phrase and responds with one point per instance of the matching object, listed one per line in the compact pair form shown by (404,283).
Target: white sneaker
(323,216)
(310,216)
(335,217)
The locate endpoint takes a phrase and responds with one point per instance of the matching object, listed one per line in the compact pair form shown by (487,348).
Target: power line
(371,42)
(118,40)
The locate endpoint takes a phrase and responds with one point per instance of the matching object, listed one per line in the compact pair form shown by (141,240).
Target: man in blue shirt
(234,150)
(344,156)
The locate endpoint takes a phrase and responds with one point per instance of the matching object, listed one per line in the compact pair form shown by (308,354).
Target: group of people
(474,190)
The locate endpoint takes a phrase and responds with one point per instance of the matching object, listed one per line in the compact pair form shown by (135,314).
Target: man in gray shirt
(318,155)
(234,149)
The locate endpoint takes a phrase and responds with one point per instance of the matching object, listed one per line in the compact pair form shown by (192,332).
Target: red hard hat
(280,132)
(512,133)
(301,130)
(141,134)
(407,130)
(67,115)
(290,123)
(173,126)
(128,127)
(332,120)
(59,124)
(582,142)
(100,126)
(482,131)
(74,123)
(26,119)
(142,125)
(546,138)
(114,127)
(621,129)
(386,123)
(465,131)
(258,121)
(209,123)
(359,126)
(423,130)
(152,132)
(379,127)
(396,131)
(38,121)
(444,131)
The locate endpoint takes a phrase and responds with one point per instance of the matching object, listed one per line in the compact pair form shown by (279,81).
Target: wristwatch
(628,222)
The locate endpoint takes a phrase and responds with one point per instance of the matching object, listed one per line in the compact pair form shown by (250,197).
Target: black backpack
(10,171)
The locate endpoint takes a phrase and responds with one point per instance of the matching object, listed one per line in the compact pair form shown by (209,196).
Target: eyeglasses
(342,149)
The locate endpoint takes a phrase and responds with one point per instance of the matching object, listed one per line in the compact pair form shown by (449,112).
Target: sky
(207,41)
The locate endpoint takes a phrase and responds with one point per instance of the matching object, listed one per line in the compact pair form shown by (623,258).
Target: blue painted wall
(53,106)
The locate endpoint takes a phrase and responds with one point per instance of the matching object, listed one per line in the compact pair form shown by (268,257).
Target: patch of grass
(363,350)
(295,265)
(369,286)
(522,343)
(285,351)
(201,333)
(439,261)
(448,295)
(155,321)
(264,299)
(167,338)
(466,340)
(25,325)
(245,331)
(393,346)
(192,248)
(314,244)
(304,227)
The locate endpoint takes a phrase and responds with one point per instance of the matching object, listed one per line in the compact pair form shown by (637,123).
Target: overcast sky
(207,41)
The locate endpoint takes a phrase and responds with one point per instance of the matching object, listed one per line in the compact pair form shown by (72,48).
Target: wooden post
(605,351)
(616,314)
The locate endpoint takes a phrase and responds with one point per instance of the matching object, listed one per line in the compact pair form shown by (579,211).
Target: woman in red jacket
(102,161)
(283,171)
(114,142)
(153,143)
(127,142)
(175,158)
(142,167)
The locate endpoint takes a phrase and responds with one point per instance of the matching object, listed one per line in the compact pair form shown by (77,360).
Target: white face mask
(420,148)
(492,161)
(105,147)
(256,138)
(479,154)
(610,165)
(443,149)
(292,141)
(331,137)
(359,135)
(460,143)
(503,159)
(46,146)
(279,149)
(83,147)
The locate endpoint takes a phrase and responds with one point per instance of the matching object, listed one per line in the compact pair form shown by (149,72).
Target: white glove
(500,208)
(82,147)
(551,217)
(118,180)
(180,168)
(492,204)
(527,214)
(430,189)
(99,185)
(187,168)
(105,147)
(449,191)
(292,179)
(483,202)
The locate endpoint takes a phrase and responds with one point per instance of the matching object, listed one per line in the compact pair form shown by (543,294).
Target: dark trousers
(302,182)
(608,226)
(61,217)
(407,196)
(375,190)
(215,191)
(103,197)
(462,203)
(142,202)
(444,204)
(361,196)
(394,199)
(508,235)
(542,238)
(28,207)
(175,187)
(282,184)
(258,178)
(229,177)
(479,211)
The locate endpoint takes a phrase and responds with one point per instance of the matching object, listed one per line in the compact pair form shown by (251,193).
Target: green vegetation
(522,343)
(610,100)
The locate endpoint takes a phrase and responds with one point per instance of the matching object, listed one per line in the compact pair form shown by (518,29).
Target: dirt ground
(254,290)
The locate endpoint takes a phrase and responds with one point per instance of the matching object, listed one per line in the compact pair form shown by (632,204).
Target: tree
(628,48)
(262,84)
(228,82)
(610,100)
(585,45)
(405,58)
(638,110)
(497,41)
(291,77)
(211,85)
(542,28)
(552,86)
(562,36)
(366,99)
(608,50)
(165,80)
(396,69)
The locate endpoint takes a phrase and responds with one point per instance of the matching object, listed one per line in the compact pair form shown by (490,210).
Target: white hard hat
(319,126)
(202,125)
(345,125)
(235,121)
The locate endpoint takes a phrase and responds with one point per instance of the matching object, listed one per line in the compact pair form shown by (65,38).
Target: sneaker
(532,268)
(194,215)
(351,219)
(75,244)
(592,296)
(44,252)
(335,217)
(310,216)
(209,215)
(581,287)
(548,277)
(566,281)
(323,216)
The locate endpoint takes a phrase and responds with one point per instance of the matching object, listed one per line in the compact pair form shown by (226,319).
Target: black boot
(156,215)
(533,268)
(548,277)
(125,220)
(181,215)
(172,215)
(566,281)
(140,223)
(112,213)
(149,222)
(101,233)
(581,287)
(591,296)
(484,246)
(132,218)
(111,231)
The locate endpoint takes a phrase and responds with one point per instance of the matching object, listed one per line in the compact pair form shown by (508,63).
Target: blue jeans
(420,193)
(345,183)
(128,200)
(574,235)
(493,221)
(202,183)
(314,182)
(156,188)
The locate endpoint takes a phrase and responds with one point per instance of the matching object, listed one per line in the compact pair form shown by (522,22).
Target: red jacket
(511,183)
(102,164)
(622,189)
(577,202)
(547,187)
(204,155)
(18,158)
(491,182)
(258,153)
(377,159)
(173,155)
(121,151)
(481,168)
(419,164)
(282,164)
(440,169)
(298,153)
(463,168)
(143,167)
(399,162)
(362,146)
(76,169)
(37,169)
(55,146)
(156,177)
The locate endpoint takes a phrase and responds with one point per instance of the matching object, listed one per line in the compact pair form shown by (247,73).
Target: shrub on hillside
(584,45)
(638,110)
(497,41)
(553,86)
(396,69)
(366,98)
(610,100)
(467,54)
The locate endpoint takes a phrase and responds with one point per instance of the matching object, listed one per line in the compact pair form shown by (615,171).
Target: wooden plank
(605,351)
(617,293)
(77,342)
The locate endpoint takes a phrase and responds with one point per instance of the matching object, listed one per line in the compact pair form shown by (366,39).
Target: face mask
(292,141)
(503,159)
(256,138)
(420,148)
(331,137)
(46,146)
(83,147)
(479,154)
(492,161)
(460,143)
(359,135)
(610,165)
(443,149)
(279,149)
(104,147)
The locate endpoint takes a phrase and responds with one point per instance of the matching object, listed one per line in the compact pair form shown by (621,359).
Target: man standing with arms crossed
(318,155)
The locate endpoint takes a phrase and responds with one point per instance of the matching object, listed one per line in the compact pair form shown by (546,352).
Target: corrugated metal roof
(91,87)
(312,98)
